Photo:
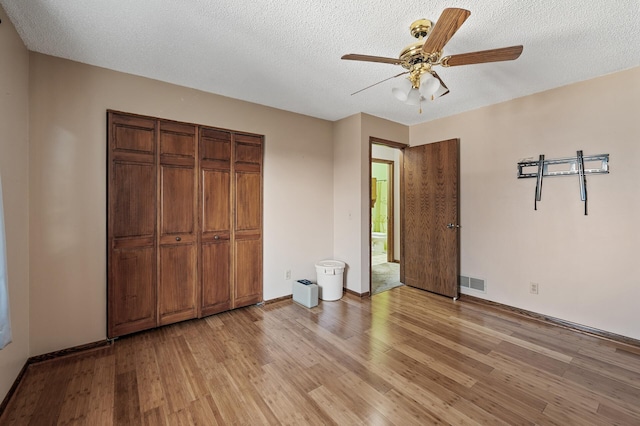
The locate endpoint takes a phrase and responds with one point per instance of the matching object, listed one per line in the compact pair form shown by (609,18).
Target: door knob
(178,239)
(217,237)
(452,226)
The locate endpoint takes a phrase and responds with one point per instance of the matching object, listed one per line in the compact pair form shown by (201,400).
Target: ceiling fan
(420,57)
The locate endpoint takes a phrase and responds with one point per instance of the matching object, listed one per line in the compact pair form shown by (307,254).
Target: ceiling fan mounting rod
(421,28)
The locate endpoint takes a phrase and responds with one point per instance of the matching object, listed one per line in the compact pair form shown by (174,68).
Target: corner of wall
(14,165)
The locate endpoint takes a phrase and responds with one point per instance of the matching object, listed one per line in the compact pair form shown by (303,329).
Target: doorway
(385,214)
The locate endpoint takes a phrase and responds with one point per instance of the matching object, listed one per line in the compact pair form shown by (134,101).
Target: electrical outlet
(287,274)
(533,288)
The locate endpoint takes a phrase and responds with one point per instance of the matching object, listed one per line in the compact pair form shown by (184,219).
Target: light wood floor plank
(149,377)
(334,408)
(75,404)
(516,341)
(102,403)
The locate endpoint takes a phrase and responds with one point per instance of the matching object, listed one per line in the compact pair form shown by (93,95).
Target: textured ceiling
(286,53)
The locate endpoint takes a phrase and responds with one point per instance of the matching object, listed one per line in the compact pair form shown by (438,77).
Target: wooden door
(131,224)
(215,221)
(177,219)
(430,258)
(247,165)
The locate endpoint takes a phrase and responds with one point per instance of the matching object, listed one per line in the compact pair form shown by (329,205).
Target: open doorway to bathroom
(382,212)
(385,214)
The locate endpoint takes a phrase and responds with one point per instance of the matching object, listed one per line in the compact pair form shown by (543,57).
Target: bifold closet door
(247,162)
(177,218)
(131,227)
(184,221)
(215,221)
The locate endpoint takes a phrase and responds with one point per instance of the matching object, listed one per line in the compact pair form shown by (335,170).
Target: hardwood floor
(400,357)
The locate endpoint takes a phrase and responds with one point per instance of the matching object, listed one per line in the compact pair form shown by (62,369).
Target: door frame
(400,146)
(390,207)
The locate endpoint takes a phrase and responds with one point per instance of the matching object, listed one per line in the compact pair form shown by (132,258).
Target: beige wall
(346,200)
(68,101)
(14,168)
(587,266)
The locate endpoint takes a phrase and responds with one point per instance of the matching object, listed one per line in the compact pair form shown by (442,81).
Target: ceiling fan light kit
(419,58)
(414,91)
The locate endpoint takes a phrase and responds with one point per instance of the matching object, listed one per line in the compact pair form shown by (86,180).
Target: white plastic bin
(330,279)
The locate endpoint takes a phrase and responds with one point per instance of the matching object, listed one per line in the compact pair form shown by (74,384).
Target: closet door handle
(178,239)
(217,237)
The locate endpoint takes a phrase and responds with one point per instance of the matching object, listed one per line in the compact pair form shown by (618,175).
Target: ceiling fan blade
(435,74)
(375,84)
(449,22)
(368,58)
(492,55)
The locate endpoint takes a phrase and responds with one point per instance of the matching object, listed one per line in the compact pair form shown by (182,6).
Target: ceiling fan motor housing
(413,54)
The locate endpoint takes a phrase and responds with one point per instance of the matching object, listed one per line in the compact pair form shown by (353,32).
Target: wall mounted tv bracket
(564,167)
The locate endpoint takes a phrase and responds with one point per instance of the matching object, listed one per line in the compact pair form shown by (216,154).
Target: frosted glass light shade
(401,91)
(441,91)
(413,98)
(428,85)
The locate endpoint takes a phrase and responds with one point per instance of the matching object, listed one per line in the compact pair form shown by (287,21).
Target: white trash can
(330,279)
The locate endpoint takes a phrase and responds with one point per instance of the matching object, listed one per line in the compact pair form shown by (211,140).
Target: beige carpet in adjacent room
(385,276)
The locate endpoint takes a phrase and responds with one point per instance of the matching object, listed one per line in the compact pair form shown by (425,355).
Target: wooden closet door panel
(177,291)
(177,195)
(216,289)
(131,224)
(133,194)
(132,284)
(178,223)
(216,149)
(248,271)
(215,221)
(132,290)
(179,142)
(249,153)
(247,235)
(216,203)
(248,201)
(133,134)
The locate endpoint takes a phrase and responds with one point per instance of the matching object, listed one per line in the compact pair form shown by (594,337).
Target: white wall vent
(477,284)
(471,283)
(464,281)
